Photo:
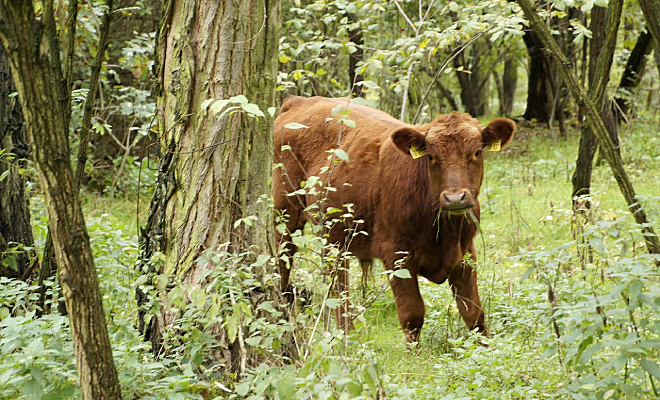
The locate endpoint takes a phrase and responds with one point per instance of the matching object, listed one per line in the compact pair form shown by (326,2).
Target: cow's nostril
(463,197)
(447,198)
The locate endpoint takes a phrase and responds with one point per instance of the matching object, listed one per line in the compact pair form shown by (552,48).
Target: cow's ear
(498,133)
(409,141)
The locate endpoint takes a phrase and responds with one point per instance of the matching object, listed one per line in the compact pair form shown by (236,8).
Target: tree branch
(91,94)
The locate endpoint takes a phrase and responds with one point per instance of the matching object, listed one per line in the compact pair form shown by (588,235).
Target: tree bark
(592,114)
(63,80)
(213,170)
(15,229)
(601,54)
(632,74)
(474,85)
(651,10)
(355,57)
(49,263)
(537,95)
(509,83)
(26,39)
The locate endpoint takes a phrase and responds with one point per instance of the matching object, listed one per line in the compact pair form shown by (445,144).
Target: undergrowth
(571,300)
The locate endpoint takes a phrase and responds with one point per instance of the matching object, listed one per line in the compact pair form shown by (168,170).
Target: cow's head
(453,146)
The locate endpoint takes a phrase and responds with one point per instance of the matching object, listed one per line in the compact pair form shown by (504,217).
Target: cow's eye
(430,157)
(477,153)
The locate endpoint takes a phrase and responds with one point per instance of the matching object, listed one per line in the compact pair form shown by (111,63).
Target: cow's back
(324,129)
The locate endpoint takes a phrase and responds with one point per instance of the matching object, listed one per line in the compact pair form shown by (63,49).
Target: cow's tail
(367,274)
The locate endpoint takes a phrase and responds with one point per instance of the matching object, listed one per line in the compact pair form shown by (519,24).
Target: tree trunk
(49,264)
(601,54)
(592,114)
(473,77)
(213,170)
(355,57)
(23,35)
(509,83)
(632,74)
(537,95)
(651,10)
(15,229)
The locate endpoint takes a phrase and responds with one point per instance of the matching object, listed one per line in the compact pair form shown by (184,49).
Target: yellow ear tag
(416,152)
(494,146)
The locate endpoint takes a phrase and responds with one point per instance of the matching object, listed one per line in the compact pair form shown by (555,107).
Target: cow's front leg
(463,281)
(409,306)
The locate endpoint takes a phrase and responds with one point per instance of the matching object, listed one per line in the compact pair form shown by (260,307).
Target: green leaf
(242,388)
(341,154)
(368,84)
(218,105)
(253,109)
(454,7)
(271,111)
(402,273)
(354,388)
(363,101)
(232,328)
(4,175)
(32,390)
(228,109)
(650,344)
(332,303)
(205,104)
(650,367)
(239,99)
(586,355)
(254,340)
(635,289)
(261,260)
(295,125)
(350,123)
(527,273)
(335,109)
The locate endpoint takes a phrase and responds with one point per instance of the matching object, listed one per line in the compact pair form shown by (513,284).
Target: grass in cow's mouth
(468,215)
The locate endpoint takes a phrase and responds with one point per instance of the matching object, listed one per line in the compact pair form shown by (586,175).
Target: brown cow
(411,205)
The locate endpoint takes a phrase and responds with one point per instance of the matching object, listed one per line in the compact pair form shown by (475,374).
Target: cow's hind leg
(409,306)
(463,281)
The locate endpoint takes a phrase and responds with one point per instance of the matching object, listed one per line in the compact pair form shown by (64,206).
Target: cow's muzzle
(456,199)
